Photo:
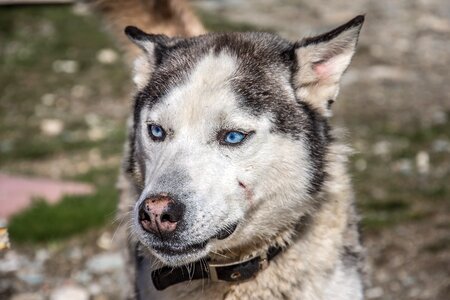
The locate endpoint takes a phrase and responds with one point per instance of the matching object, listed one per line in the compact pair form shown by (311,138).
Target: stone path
(17,192)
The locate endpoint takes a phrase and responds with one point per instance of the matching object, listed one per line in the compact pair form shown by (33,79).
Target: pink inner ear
(333,67)
(322,70)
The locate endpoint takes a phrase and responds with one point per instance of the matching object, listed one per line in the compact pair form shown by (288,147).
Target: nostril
(144,213)
(173,213)
(167,218)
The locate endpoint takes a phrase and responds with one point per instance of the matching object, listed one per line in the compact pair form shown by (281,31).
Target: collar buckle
(263,261)
(213,272)
(212,266)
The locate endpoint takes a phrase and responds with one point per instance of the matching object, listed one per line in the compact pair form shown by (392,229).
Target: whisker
(223,255)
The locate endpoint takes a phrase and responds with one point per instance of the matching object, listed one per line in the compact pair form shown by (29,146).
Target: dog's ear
(153,46)
(321,61)
(146,41)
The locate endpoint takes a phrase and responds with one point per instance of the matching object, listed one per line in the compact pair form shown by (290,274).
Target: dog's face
(230,137)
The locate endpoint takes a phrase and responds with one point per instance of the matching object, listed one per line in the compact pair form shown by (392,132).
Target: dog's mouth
(225,232)
(175,249)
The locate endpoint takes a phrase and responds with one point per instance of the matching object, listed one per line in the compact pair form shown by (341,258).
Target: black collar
(231,272)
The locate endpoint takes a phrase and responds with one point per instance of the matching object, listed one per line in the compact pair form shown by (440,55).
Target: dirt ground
(394,103)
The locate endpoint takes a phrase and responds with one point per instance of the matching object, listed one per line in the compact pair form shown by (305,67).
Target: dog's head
(230,136)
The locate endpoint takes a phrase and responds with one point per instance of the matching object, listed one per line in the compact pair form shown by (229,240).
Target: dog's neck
(283,239)
(220,267)
(234,272)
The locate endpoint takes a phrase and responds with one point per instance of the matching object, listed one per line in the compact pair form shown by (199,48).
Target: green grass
(43,222)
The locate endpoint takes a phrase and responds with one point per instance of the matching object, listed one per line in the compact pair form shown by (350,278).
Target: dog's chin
(177,254)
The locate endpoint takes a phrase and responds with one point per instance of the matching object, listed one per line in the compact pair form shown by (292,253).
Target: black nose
(160,214)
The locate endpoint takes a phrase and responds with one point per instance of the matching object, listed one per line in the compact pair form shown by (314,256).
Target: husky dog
(238,187)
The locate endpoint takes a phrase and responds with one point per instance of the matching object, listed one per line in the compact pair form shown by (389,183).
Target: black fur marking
(135,34)
(350,256)
(355,22)
(130,167)
(330,103)
(318,135)
(308,84)
(139,259)
(141,39)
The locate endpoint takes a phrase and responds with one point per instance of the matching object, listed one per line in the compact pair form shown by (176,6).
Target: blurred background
(65,94)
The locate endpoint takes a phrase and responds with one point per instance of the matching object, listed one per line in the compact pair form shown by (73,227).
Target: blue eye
(156,132)
(234,137)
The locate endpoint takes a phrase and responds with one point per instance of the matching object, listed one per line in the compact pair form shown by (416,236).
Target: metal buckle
(213,267)
(263,261)
(213,272)
(263,264)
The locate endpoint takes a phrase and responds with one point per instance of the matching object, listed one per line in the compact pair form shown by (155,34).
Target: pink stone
(16,193)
